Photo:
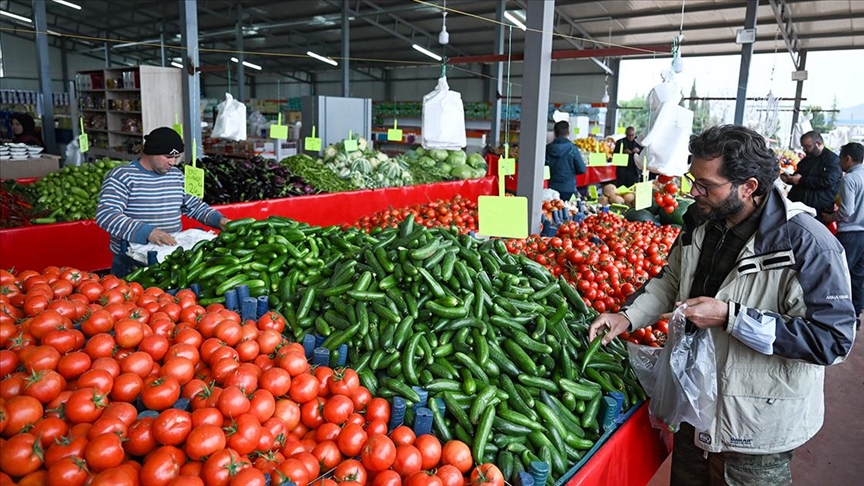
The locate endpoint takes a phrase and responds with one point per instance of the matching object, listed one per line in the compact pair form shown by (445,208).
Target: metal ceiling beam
(746,56)
(783,15)
(579,45)
(660,12)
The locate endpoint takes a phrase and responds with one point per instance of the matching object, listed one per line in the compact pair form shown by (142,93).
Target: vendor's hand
(793,179)
(614,323)
(223,222)
(159,237)
(704,312)
(636,150)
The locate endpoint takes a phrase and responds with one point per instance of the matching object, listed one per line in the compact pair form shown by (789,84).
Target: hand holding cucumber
(614,323)
(159,237)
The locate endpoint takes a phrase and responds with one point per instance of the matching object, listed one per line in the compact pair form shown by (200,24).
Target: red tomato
(450,476)
(456,453)
(402,435)
(351,439)
(379,453)
(430,450)
(487,475)
(104,452)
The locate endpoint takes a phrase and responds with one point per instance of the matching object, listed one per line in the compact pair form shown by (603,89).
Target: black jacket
(564,161)
(820,181)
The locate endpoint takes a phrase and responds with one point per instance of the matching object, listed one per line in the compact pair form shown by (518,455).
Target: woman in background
(24,129)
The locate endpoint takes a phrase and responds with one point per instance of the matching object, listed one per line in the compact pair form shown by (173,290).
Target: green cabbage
(440,155)
(463,172)
(420,151)
(427,162)
(445,168)
(457,158)
(475,159)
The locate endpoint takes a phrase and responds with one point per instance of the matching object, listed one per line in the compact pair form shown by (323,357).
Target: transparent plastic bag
(231,120)
(680,378)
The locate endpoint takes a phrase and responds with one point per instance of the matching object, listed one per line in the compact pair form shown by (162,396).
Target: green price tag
(350,144)
(505,217)
(312,143)
(620,160)
(644,192)
(596,159)
(595,130)
(394,134)
(546,174)
(576,131)
(177,126)
(506,167)
(592,193)
(621,130)
(193,176)
(685,185)
(83,141)
(279,131)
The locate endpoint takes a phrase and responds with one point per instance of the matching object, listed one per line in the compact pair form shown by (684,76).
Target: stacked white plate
(18,150)
(5,153)
(34,150)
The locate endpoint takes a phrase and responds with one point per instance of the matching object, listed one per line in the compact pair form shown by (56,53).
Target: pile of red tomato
(664,196)
(94,376)
(459,212)
(606,257)
(654,336)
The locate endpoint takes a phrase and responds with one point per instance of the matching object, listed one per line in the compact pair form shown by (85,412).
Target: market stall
(593,175)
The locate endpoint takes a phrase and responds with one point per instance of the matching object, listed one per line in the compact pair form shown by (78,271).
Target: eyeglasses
(702,189)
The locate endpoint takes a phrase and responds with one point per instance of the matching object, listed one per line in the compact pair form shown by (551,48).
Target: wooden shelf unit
(155,93)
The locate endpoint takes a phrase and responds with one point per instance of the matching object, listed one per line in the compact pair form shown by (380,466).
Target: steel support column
(388,85)
(535,102)
(241,69)
(799,91)
(612,87)
(346,52)
(64,64)
(107,49)
(192,80)
(162,44)
(44,62)
(498,74)
(746,56)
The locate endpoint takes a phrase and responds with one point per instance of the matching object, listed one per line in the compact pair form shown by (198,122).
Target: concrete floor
(835,457)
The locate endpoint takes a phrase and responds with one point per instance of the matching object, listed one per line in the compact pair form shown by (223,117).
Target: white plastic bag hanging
(231,121)
(443,119)
(680,378)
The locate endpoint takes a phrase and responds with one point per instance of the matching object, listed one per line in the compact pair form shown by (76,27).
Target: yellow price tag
(620,130)
(349,144)
(394,134)
(644,192)
(312,144)
(194,181)
(83,141)
(596,159)
(620,160)
(592,193)
(595,130)
(177,126)
(279,131)
(505,217)
(546,174)
(576,131)
(686,187)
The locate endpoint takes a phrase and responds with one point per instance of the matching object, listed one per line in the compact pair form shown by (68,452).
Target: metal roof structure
(277,34)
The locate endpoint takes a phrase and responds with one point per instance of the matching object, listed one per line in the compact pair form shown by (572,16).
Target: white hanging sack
(231,121)
(443,118)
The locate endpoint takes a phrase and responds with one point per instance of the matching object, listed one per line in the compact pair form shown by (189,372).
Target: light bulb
(444,37)
(605,98)
(678,64)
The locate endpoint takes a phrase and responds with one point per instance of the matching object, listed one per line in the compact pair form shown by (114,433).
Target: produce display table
(632,455)
(593,175)
(83,245)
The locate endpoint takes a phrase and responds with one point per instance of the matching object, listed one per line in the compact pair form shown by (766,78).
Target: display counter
(83,245)
(593,175)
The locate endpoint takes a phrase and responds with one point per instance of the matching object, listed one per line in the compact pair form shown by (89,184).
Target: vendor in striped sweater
(142,201)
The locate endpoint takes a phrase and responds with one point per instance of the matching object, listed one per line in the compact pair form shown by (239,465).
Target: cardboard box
(20,169)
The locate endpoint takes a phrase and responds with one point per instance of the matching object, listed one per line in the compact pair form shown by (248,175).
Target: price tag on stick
(592,192)
(178,127)
(350,144)
(620,130)
(685,185)
(644,192)
(597,159)
(505,217)
(312,144)
(394,134)
(279,131)
(546,174)
(193,176)
(83,141)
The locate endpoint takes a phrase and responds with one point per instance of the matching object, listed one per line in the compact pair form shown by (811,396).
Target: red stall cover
(83,245)
(631,456)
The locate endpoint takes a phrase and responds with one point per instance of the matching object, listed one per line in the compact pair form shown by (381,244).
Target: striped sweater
(134,201)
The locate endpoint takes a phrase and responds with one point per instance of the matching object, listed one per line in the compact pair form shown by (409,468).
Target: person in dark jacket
(629,175)
(818,177)
(24,129)
(564,161)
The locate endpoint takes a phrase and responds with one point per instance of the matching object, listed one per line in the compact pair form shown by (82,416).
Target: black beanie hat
(163,141)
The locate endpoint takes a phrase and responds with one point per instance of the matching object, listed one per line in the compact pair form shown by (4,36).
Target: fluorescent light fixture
(15,16)
(250,65)
(427,52)
(68,4)
(234,59)
(322,58)
(177,65)
(512,18)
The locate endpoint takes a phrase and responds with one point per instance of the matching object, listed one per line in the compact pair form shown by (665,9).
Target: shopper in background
(773,288)
(24,129)
(850,219)
(564,161)
(142,201)
(818,177)
(629,175)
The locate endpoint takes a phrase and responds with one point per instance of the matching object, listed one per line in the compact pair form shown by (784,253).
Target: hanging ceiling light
(177,65)
(512,18)
(68,4)
(427,52)
(250,65)
(322,58)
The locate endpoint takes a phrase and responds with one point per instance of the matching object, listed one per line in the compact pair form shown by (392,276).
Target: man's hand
(223,222)
(793,179)
(615,323)
(635,150)
(159,237)
(826,218)
(704,312)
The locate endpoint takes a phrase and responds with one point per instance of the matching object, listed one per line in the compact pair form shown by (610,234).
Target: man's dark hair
(814,136)
(854,150)
(562,129)
(744,152)
(630,128)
